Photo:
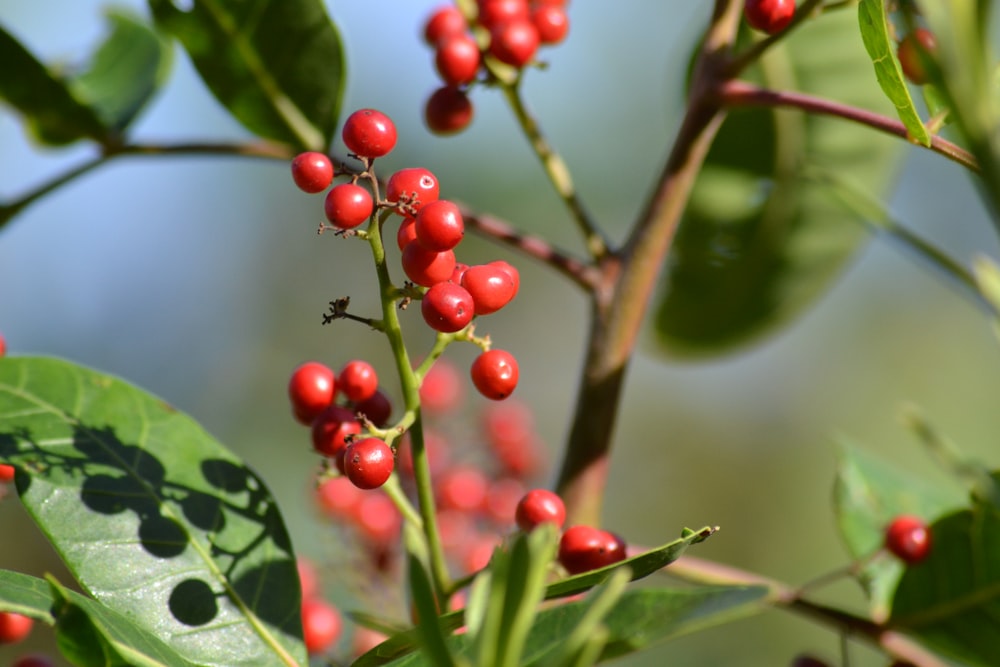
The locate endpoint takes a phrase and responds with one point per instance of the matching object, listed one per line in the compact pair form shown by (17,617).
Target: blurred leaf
(35,597)
(878,43)
(867,494)
(128,68)
(429,633)
(951,600)
(579,644)
(51,113)
(154,518)
(757,245)
(276,65)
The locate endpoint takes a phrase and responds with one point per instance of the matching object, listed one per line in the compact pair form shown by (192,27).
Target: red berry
(479,552)
(14,627)
(511,271)
(514,42)
(458,272)
(491,287)
(769,16)
(312,172)
(447,307)
(339,498)
(495,374)
(457,59)
(35,660)
(540,506)
(502,499)
(448,111)
(407,232)
(357,380)
(416,185)
(308,577)
(321,625)
(426,267)
(908,538)
(348,205)
(369,133)
(584,548)
(311,389)
(378,520)
(462,488)
(377,408)
(331,429)
(3,346)
(446,21)
(6,473)
(441,388)
(368,463)
(497,12)
(551,22)
(510,431)
(911,52)
(439,225)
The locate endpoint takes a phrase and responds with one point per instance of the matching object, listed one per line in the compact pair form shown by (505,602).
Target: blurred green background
(202,280)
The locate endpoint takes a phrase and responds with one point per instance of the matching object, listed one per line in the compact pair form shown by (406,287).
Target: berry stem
(402,503)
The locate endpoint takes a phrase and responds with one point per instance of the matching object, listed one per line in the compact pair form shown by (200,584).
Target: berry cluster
(509,31)
(769,16)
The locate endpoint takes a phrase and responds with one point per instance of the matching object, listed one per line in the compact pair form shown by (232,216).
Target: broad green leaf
(155,518)
(276,65)
(878,43)
(580,643)
(951,600)
(51,113)
(757,244)
(868,493)
(125,72)
(81,621)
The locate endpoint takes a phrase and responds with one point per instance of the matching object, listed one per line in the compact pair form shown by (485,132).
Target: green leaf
(951,600)
(429,633)
(51,113)
(125,72)
(879,44)
(276,65)
(868,494)
(81,621)
(578,645)
(757,244)
(154,518)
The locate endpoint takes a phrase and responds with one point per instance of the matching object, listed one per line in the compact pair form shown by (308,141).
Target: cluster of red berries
(908,538)
(511,31)
(769,16)
(912,50)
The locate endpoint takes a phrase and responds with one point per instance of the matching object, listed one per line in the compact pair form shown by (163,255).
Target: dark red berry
(769,16)
(912,51)
(457,59)
(368,463)
(446,21)
(369,133)
(14,627)
(540,506)
(584,548)
(377,408)
(331,430)
(447,307)
(6,473)
(908,538)
(497,12)
(514,42)
(321,625)
(416,185)
(348,205)
(494,373)
(448,111)
(426,267)
(491,287)
(551,22)
(357,380)
(312,171)
(439,225)
(311,389)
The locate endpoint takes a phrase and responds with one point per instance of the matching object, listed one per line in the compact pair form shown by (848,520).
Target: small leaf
(276,65)
(878,43)
(154,518)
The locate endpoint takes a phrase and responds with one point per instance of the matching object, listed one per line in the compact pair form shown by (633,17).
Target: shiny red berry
(447,307)
(584,548)
(551,22)
(312,172)
(514,42)
(769,16)
(457,59)
(908,538)
(321,625)
(357,380)
(415,186)
(497,12)
(348,205)
(494,373)
(490,286)
(911,52)
(311,389)
(439,225)
(448,111)
(369,133)
(427,267)
(368,463)
(445,21)
(539,506)
(14,627)
(331,430)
